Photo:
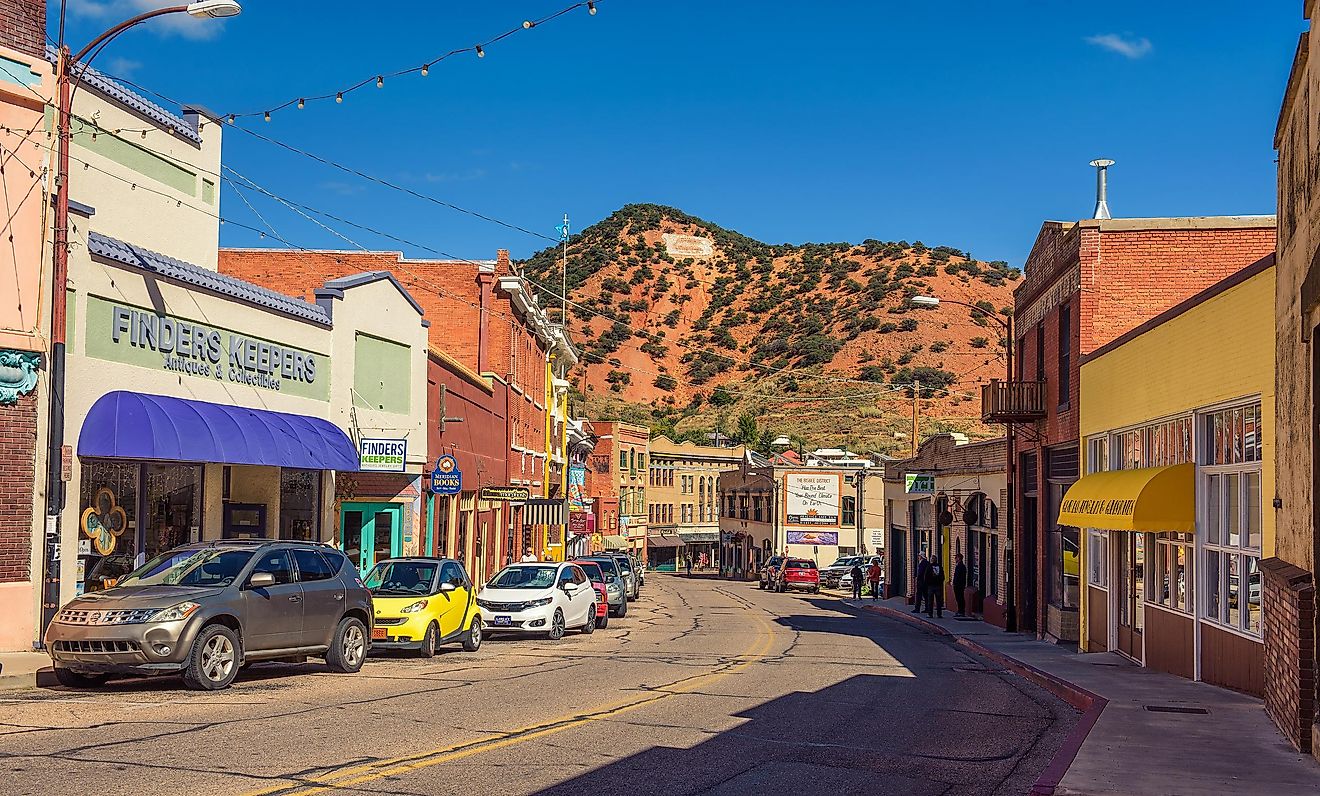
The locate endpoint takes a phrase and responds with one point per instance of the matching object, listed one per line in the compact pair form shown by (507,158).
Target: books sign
(446,478)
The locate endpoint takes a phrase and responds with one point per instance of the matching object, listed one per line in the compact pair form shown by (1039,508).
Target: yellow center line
(368,772)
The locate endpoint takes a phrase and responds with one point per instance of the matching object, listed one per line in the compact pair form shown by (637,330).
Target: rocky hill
(818,341)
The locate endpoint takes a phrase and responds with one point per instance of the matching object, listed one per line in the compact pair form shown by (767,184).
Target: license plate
(503,621)
(379,634)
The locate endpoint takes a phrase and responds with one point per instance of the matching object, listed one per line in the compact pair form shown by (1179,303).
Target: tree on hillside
(748,433)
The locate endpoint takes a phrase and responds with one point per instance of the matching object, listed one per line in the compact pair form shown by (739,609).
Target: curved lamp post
(55,499)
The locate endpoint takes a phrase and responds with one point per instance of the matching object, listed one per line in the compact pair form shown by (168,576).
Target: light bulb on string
(144,135)
(267,116)
(301,103)
(231,118)
(339,97)
(591,9)
(528,24)
(480,52)
(380,81)
(426,70)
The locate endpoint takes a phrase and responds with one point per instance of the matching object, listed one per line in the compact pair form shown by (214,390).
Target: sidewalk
(1214,741)
(24,670)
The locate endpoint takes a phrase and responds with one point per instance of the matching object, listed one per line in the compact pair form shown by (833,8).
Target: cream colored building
(683,500)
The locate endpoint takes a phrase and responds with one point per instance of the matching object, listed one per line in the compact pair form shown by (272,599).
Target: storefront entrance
(1130,615)
(371,532)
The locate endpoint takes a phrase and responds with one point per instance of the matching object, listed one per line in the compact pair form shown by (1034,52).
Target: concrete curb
(42,678)
(1090,705)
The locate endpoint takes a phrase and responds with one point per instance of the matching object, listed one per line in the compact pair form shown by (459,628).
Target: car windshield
(607,565)
(624,565)
(403,578)
(593,571)
(206,568)
(517,577)
(844,562)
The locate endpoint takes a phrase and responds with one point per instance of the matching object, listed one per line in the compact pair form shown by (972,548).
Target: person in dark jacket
(923,574)
(857,576)
(960,583)
(935,588)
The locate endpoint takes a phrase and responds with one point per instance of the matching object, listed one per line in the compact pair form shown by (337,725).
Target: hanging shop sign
(919,484)
(446,478)
(812,499)
(580,523)
(136,336)
(507,494)
(382,455)
(577,482)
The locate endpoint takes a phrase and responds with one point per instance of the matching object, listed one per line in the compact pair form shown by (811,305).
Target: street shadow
(913,715)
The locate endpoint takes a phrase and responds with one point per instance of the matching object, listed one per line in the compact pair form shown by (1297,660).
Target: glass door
(1131,592)
(371,532)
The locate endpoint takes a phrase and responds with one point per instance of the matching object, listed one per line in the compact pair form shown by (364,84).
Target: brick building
(617,475)
(1086,283)
(24,318)
(1291,634)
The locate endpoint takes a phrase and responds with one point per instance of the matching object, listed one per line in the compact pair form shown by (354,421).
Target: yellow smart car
(421,603)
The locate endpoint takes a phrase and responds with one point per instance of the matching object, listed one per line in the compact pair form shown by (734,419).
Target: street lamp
(203,9)
(1010,623)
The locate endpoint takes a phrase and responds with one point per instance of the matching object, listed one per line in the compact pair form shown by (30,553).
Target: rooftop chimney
(1101,188)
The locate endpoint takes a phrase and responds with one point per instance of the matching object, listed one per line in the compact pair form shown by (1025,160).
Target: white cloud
(112,11)
(1128,46)
(122,67)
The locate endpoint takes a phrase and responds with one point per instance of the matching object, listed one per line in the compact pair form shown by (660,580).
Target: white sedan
(538,598)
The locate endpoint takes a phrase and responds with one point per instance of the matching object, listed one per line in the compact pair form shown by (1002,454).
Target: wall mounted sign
(508,494)
(580,523)
(446,478)
(136,336)
(382,455)
(577,482)
(104,522)
(812,499)
(813,537)
(919,484)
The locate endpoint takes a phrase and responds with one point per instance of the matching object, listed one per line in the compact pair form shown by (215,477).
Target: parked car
(205,610)
(830,576)
(544,598)
(603,584)
(631,575)
(798,574)
(610,566)
(770,572)
(421,603)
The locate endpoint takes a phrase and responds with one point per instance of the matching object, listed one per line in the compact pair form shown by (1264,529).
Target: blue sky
(957,123)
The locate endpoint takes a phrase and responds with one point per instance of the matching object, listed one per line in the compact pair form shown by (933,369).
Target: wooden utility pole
(916,414)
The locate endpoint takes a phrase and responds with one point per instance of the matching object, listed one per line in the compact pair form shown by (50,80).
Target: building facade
(617,487)
(948,500)
(1175,473)
(683,501)
(1291,635)
(1086,283)
(26,79)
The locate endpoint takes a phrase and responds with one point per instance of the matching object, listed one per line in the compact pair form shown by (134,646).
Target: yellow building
(1176,419)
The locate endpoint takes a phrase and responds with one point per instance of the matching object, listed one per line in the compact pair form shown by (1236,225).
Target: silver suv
(205,610)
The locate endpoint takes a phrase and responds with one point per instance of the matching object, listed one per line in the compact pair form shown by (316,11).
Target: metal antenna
(1101,187)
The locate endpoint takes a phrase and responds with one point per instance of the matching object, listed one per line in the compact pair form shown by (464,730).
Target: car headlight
(483,603)
(176,612)
(414,608)
(537,603)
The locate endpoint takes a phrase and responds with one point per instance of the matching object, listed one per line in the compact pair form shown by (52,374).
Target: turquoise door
(371,532)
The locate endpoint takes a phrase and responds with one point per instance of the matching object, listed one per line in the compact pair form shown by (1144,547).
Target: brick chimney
(485,281)
(23,26)
(502,265)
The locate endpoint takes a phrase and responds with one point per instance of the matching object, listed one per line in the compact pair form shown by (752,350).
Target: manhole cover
(1176,709)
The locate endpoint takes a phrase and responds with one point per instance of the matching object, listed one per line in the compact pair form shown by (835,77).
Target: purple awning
(135,426)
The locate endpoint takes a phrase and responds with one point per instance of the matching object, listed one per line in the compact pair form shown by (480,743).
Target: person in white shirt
(529,556)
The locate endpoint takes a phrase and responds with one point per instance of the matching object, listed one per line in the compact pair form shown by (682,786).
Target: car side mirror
(261,580)
(447,587)
(610,579)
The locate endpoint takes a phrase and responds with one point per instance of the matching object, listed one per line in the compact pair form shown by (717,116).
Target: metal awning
(700,537)
(545,511)
(615,542)
(664,541)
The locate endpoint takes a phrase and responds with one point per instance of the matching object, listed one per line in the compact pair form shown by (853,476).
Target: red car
(798,573)
(597,578)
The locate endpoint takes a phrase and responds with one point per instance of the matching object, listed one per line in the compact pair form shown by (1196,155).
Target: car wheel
(589,626)
(556,626)
(427,650)
(815,590)
(71,679)
(623,608)
(472,640)
(603,622)
(214,661)
(349,648)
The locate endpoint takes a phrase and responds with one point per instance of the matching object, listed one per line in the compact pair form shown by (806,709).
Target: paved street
(705,687)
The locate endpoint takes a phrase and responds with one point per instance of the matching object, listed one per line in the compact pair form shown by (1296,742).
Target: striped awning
(545,511)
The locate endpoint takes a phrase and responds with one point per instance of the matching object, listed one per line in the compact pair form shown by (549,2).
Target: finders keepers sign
(812,499)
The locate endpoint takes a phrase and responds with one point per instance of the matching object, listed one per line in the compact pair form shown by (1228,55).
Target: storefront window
(1173,571)
(107,541)
(1231,485)
(174,506)
(1097,558)
(300,504)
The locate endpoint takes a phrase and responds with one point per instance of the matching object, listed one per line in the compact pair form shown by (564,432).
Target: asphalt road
(705,687)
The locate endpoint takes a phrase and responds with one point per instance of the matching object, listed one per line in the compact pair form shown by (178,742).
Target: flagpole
(563,282)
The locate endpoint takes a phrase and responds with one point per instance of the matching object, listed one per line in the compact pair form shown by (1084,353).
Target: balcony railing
(1012,401)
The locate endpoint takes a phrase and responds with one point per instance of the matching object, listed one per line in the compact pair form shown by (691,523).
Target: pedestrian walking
(688,560)
(873,575)
(919,581)
(857,575)
(960,583)
(529,556)
(935,588)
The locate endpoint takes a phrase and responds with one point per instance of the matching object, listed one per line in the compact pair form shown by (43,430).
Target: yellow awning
(1150,499)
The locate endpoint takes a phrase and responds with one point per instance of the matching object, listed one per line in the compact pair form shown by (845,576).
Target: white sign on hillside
(680,246)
